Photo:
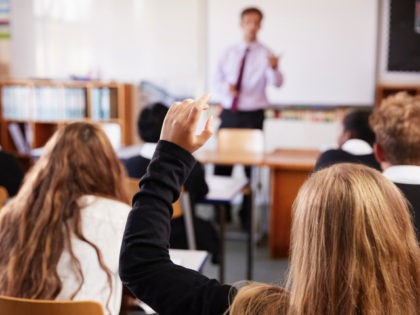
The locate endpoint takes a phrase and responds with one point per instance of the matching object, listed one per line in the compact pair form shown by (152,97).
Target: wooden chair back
(19,306)
(133,188)
(240,140)
(4,195)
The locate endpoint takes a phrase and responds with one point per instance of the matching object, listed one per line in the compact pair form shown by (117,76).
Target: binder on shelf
(21,144)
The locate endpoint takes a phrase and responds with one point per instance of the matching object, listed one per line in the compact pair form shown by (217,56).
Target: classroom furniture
(222,191)
(289,168)
(3,195)
(384,90)
(32,110)
(180,207)
(244,147)
(20,306)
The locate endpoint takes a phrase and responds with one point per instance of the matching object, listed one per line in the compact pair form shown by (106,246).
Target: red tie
(238,84)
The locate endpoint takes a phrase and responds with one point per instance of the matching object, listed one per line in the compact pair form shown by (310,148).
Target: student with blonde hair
(396,123)
(353,249)
(60,235)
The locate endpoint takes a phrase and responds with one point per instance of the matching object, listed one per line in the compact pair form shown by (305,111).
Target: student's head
(353,247)
(353,250)
(150,121)
(356,126)
(396,123)
(251,23)
(40,221)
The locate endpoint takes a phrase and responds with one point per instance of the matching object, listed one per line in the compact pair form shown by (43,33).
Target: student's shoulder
(104,208)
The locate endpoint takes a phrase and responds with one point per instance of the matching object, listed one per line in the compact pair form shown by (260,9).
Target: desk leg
(222,219)
(253,221)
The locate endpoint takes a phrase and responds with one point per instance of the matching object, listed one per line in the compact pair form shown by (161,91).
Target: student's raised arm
(145,267)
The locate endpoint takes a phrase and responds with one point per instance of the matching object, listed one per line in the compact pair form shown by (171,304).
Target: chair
(240,141)
(4,195)
(20,306)
(180,207)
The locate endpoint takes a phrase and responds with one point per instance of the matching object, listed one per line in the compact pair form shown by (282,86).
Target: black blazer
(11,173)
(412,193)
(145,267)
(195,184)
(331,157)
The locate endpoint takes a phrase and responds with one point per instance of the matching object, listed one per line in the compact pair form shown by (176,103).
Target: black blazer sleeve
(145,267)
(196,184)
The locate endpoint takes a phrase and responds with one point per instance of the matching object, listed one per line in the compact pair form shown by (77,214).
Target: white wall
(124,40)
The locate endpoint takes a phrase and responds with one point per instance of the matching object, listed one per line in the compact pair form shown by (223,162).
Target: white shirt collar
(357,147)
(403,174)
(147,150)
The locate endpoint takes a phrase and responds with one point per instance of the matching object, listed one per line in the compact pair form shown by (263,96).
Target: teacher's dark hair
(250,10)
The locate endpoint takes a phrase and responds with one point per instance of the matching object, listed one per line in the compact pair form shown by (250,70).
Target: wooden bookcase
(384,90)
(39,108)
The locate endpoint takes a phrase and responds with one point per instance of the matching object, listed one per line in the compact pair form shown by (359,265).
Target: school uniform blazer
(412,193)
(195,184)
(335,156)
(145,267)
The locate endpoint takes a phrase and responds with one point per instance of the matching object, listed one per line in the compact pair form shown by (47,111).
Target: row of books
(104,103)
(51,103)
(43,103)
(309,114)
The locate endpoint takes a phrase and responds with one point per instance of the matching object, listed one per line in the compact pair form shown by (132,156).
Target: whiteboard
(327,47)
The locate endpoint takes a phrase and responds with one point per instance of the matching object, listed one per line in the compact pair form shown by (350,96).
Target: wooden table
(289,169)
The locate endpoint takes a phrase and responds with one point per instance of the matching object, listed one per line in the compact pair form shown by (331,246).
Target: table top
(292,159)
(281,158)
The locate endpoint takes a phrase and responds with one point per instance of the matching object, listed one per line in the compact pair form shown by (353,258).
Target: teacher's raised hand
(181,122)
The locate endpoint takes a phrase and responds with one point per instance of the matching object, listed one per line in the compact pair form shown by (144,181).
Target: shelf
(39,107)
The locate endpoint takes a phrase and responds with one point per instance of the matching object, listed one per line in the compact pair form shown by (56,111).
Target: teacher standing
(243,73)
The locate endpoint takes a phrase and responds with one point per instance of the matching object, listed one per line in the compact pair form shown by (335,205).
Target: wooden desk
(289,169)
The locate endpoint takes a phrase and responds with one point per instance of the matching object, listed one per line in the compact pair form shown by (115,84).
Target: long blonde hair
(37,225)
(353,247)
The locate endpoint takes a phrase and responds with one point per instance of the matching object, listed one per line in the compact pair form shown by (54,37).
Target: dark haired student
(355,143)
(149,125)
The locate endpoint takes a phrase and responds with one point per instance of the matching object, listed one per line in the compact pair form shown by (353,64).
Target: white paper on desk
(224,188)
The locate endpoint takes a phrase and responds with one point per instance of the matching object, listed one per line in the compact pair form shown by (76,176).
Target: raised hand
(181,122)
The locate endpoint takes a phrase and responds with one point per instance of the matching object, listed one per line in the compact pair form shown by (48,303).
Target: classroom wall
(123,40)
(164,41)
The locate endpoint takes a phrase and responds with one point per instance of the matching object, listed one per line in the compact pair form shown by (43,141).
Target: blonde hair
(353,246)
(353,250)
(396,123)
(37,225)
(260,299)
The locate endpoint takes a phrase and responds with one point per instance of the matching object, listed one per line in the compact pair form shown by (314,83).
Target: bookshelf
(32,110)
(384,90)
